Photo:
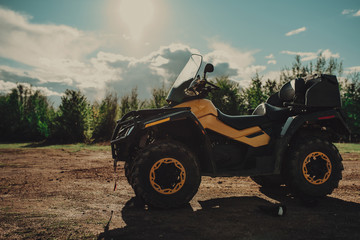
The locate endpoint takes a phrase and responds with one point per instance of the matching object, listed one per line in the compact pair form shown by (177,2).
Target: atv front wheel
(313,167)
(166,174)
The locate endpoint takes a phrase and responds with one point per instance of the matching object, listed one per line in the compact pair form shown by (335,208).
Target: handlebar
(211,84)
(200,88)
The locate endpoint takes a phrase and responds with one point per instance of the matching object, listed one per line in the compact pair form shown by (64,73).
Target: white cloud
(58,58)
(353,12)
(161,66)
(251,70)
(307,56)
(272,75)
(107,71)
(347,11)
(126,37)
(6,87)
(352,69)
(46,91)
(237,64)
(121,73)
(222,52)
(328,54)
(29,43)
(271,59)
(296,31)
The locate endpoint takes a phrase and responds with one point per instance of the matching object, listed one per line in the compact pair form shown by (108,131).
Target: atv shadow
(238,218)
(282,194)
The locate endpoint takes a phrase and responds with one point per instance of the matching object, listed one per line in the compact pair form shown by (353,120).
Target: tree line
(27,115)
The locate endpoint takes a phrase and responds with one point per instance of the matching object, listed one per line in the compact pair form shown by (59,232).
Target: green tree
(351,103)
(227,98)
(298,69)
(70,123)
(254,94)
(131,102)
(158,99)
(321,66)
(105,118)
(270,87)
(26,115)
(10,120)
(37,115)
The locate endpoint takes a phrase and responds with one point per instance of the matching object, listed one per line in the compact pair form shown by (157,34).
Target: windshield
(183,81)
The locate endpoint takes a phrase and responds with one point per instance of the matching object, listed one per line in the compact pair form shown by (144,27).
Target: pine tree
(70,125)
(106,118)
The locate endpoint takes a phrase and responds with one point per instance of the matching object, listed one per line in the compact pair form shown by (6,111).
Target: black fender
(332,118)
(128,127)
(133,125)
(178,120)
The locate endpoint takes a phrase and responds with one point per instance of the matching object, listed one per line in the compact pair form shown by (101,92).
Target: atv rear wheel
(166,174)
(313,167)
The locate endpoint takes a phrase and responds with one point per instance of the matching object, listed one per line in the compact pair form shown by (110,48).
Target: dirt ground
(59,194)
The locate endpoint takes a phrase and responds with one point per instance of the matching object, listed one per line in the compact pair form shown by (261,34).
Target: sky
(100,46)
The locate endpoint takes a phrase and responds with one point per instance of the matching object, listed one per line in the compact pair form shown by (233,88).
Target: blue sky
(111,45)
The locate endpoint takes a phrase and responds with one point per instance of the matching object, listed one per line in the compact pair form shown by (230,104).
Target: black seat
(272,112)
(264,113)
(242,122)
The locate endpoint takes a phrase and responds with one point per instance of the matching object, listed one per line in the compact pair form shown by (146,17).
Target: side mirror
(208,68)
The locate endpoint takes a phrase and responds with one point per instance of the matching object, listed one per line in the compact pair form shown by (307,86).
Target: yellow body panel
(207,114)
(157,122)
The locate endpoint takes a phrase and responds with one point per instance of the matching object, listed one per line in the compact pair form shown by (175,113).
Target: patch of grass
(343,147)
(348,147)
(78,147)
(70,147)
(12,145)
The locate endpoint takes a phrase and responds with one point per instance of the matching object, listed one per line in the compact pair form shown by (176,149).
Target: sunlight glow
(136,14)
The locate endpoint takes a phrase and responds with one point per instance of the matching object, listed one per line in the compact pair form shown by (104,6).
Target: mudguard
(332,118)
(133,123)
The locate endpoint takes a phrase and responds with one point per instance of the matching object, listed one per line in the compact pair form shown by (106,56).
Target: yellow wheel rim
(323,170)
(175,183)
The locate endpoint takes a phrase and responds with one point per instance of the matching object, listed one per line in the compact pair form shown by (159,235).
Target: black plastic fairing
(133,122)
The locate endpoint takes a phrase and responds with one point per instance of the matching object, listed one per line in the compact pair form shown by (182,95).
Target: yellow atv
(287,140)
